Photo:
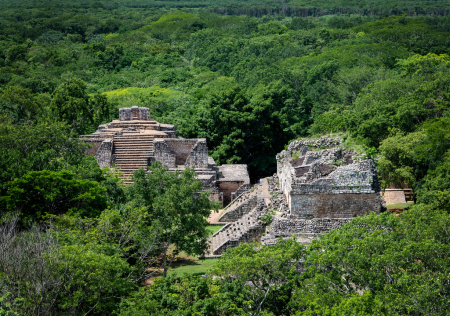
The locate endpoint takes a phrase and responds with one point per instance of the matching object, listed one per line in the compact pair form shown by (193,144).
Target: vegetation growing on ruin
(249,77)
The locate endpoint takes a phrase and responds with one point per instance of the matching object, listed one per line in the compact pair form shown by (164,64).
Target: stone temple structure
(323,186)
(136,140)
(319,185)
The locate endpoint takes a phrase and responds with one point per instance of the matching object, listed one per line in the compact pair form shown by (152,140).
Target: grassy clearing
(192,265)
(398,205)
(213,228)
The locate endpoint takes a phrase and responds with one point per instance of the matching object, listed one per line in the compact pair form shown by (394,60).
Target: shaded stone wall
(216,197)
(175,152)
(181,149)
(344,205)
(95,146)
(282,227)
(227,188)
(209,183)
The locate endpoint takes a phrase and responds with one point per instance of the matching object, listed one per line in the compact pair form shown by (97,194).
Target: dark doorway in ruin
(181,150)
(227,188)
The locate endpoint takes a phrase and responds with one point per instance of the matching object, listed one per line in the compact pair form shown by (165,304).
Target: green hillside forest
(249,76)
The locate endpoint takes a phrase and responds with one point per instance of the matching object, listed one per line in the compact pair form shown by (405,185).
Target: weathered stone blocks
(134,113)
(187,152)
(104,154)
(345,205)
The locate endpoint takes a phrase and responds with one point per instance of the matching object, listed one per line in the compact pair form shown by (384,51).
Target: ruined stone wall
(198,156)
(323,142)
(95,146)
(282,227)
(248,228)
(285,173)
(134,113)
(168,129)
(253,234)
(236,213)
(181,149)
(208,183)
(163,154)
(188,152)
(344,205)
(216,197)
(144,114)
(104,154)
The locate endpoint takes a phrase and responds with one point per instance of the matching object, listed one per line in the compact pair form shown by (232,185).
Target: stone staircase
(238,205)
(248,228)
(240,209)
(131,152)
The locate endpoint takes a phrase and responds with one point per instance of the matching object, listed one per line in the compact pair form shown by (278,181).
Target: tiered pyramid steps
(197,170)
(143,125)
(131,153)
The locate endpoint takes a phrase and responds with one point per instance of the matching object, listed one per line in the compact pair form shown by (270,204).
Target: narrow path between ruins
(265,193)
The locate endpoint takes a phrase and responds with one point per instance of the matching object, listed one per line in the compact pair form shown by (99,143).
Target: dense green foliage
(247,84)
(249,77)
(376,265)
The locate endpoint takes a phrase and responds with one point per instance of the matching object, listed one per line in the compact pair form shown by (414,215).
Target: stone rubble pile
(279,203)
(274,187)
(325,141)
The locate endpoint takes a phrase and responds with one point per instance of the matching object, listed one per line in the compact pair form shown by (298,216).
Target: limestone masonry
(136,140)
(319,186)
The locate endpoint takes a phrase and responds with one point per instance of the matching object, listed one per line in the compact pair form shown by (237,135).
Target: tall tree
(177,206)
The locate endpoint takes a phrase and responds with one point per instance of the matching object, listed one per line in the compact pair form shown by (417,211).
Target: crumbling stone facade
(332,182)
(181,152)
(324,186)
(136,140)
(104,153)
(134,113)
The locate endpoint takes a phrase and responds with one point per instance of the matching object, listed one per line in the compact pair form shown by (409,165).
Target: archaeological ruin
(136,140)
(319,186)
